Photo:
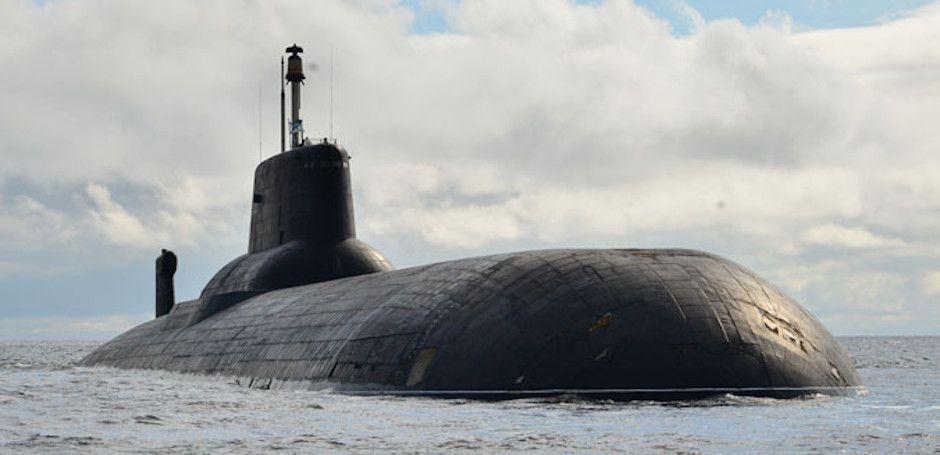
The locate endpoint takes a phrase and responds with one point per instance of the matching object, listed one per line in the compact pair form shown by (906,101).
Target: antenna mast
(260,128)
(331,93)
(295,75)
(283,142)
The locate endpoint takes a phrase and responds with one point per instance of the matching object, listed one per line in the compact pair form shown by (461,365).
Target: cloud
(693,19)
(932,284)
(851,296)
(840,236)
(186,214)
(878,292)
(716,197)
(28,224)
(540,123)
(114,222)
(528,93)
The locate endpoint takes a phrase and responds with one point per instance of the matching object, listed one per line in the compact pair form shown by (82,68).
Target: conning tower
(303,227)
(302,195)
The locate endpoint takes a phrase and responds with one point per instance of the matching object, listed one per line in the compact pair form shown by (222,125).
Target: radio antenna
(260,129)
(331,92)
(283,146)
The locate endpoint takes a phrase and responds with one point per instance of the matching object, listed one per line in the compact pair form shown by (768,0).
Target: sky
(797,138)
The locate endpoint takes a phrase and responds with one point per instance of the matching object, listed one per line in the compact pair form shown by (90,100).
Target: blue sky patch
(430,16)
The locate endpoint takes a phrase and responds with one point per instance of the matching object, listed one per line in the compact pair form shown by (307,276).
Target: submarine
(311,305)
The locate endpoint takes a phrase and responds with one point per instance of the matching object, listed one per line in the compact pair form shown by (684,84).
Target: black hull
(621,324)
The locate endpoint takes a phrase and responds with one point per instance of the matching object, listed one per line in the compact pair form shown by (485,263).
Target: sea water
(50,406)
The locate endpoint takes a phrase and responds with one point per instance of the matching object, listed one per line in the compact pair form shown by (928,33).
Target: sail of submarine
(311,304)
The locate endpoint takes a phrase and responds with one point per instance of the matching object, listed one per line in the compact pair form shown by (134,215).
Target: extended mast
(283,141)
(295,75)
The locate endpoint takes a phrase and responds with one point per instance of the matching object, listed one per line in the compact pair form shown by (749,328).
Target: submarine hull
(623,324)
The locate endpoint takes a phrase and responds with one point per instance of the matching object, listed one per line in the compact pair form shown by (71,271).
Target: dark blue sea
(50,406)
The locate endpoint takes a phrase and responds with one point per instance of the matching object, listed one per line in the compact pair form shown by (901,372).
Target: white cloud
(186,214)
(798,277)
(840,236)
(878,292)
(692,17)
(932,284)
(115,223)
(535,122)
(27,224)
(715,197)
(844,293)
(896,70)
